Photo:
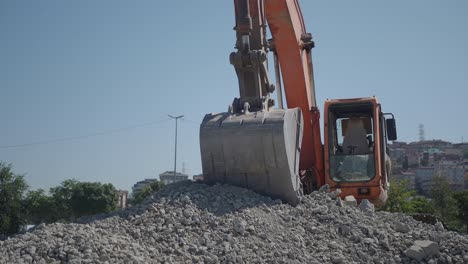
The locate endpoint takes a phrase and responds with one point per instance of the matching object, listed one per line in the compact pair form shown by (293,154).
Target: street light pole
(175,145)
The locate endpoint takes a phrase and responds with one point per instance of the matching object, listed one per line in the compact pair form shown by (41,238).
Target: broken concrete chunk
(344,230)
(430,248)
(415,252)
(239,226)
(366,206)
(335,194)
(402,228)
(321,209)
(422,249)
(325,188)
(338,259)
(350,200)
(339,202)
(439,226)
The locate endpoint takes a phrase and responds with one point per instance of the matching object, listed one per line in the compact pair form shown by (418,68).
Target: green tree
(141,195)
(40,208)
(444,203)
(462,204)
(61,196)
(147,191)
(69,200)
(398,197)
(12,188)
(88,198)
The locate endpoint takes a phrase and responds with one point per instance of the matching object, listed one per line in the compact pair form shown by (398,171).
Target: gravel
(195,223)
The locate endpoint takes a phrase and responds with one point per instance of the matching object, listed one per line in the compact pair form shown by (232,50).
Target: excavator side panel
(258,151)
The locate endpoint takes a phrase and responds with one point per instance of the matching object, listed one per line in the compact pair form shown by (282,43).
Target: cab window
(351,146)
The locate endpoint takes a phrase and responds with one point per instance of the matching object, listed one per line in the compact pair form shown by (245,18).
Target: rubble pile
(195,223)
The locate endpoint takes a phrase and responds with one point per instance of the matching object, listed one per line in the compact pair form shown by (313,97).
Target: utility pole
(175,145)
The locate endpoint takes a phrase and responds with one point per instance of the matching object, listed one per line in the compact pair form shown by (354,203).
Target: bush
(70,200)
(398,197)
(12,188)
(146,191)
(444,203)
(402,199)
(40,208)
(88,198)
(421,205)
(462,203)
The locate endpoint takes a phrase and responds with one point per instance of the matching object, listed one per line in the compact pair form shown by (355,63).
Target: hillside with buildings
(419,162)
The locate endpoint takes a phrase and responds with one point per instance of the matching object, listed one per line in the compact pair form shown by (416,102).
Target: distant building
(397,155)
(123,199)
(413,159)
(453,154)
(454,173)
(429,158)
(424,180)
(198,177)
(398,144)
(435,143)
(463,145)
(168,177)
(141,184)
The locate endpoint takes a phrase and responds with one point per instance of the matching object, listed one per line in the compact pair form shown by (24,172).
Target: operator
(355,141)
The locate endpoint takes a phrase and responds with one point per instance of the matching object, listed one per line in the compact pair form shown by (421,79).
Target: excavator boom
(293,46)
(254,145)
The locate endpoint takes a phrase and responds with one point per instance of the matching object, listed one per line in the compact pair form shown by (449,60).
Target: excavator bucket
(258,151)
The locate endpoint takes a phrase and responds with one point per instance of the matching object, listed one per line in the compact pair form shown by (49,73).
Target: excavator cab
(356,154)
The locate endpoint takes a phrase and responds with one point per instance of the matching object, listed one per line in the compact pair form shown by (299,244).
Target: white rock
(350,201)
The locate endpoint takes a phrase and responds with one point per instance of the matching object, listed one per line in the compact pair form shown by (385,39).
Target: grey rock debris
(191,222)
(367,207)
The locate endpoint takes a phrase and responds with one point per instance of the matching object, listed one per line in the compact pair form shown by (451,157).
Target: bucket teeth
(258,151)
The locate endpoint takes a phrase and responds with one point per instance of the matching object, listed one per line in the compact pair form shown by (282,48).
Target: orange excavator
(278,151)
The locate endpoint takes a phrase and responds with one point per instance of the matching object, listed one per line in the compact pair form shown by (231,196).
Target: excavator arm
(254,145)
(278,151)
(250,59)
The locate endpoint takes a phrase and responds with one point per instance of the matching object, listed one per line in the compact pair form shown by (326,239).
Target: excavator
(278,151)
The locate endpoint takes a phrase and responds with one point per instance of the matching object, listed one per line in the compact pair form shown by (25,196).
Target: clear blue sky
(73,68)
